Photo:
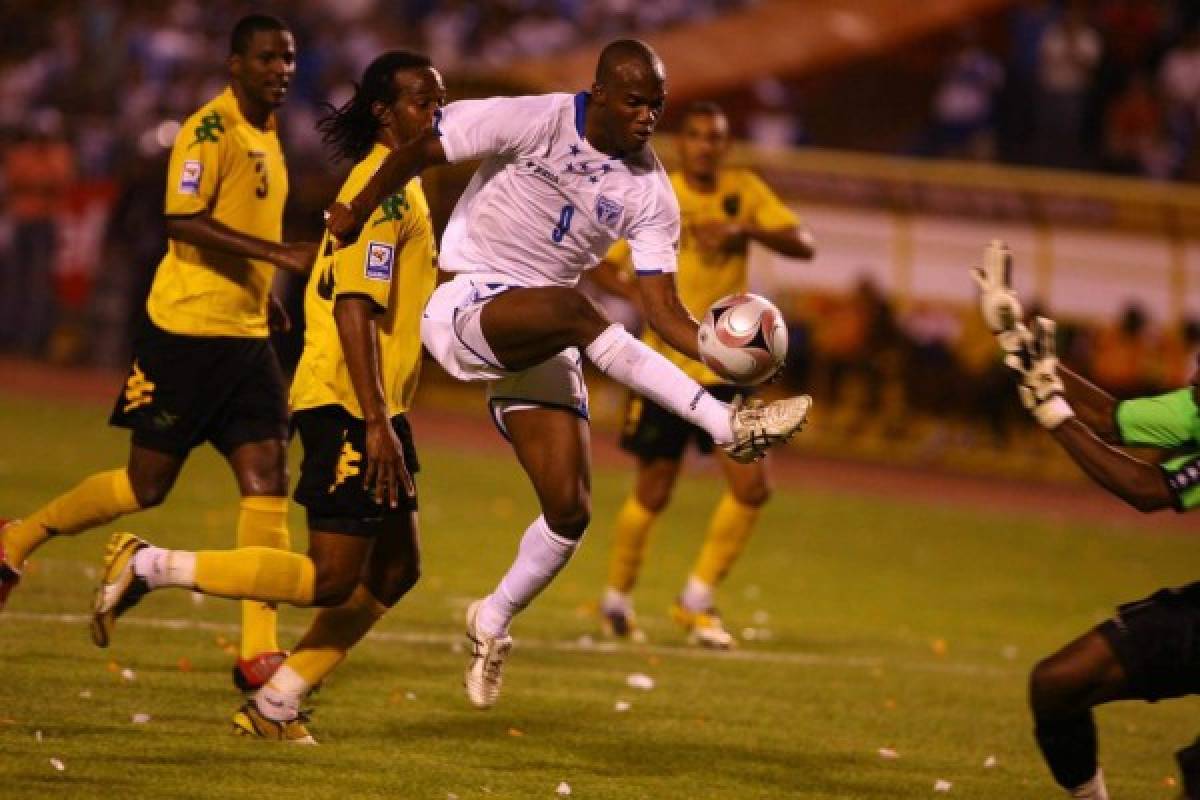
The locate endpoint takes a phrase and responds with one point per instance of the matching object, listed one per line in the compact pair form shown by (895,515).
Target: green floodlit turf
(894,625)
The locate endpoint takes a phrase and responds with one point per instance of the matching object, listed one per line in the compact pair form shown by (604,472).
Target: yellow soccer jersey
(705,276)
(222,164)
(392,263)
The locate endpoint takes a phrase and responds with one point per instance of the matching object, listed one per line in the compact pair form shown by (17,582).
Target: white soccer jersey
(545,205)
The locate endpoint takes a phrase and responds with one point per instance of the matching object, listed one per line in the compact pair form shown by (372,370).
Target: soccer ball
(743,338)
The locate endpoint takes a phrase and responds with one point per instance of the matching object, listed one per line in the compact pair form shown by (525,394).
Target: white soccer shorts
(450,331)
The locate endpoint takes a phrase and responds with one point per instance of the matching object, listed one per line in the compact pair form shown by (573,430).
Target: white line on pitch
(568,646)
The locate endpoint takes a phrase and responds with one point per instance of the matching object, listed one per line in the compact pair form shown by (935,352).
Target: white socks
(623,358)
(1093,789)
(160,567)
(541,556)
(616,600)
(697,595)
(280,698)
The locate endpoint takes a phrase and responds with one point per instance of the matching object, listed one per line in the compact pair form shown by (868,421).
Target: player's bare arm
(359,336)
(794,242)
(1139,483)
(202,231)
(718,235)
(1094,407)
(404,163)
(666,314)
(1002,312)
(1041,389)
(278,319)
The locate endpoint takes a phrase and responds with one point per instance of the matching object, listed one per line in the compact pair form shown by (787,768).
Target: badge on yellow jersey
(380,256)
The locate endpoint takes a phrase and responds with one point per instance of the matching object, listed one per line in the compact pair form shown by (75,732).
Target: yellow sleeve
(193,173)
(768,210)
(366,267)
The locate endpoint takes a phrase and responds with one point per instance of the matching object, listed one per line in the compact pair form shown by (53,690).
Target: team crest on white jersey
(608,211)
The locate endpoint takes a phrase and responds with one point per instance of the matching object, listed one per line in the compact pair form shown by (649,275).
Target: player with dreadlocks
(353,386)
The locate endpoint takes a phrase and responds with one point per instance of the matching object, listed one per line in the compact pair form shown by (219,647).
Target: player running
(563,177)
(203,369)
(353,388)
(1150,650)
(722,210)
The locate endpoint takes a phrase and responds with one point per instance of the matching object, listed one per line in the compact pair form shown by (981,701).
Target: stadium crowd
(1109,85)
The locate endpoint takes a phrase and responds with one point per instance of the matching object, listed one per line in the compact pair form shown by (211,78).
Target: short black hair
(622,51)
(350,131)
(249,25)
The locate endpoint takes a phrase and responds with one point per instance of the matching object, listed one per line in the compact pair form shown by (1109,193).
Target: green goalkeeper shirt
(1169,422)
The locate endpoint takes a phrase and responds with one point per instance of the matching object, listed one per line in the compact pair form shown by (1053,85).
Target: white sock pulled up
(541,555)
(623,358)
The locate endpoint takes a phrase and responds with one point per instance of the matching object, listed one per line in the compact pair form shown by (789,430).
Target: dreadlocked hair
(350,131)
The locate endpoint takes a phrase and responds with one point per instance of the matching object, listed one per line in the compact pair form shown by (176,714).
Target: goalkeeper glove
(997,301)
(1040,387)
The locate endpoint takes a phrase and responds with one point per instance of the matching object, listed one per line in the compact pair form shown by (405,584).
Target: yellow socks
(96,500)
(332,633)
(262,522)
(629,544)
(259,573)
(728,533)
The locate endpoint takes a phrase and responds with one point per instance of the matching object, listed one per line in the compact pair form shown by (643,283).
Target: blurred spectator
(451,25)
(1027,26)
(1134,133)
(38,169)
(773,122)
(986,389)
(1123,355)
(1132,30)
(964,105)
(1180,82)
(854,338)
(932,330)
(1069,54)
(1180,354)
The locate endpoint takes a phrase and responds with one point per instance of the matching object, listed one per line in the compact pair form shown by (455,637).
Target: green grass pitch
(891,625)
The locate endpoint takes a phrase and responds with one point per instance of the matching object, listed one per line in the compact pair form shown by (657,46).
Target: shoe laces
(476,645)
(761,417)
(493,665)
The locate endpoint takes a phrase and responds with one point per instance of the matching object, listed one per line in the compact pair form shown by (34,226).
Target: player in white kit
(563,177)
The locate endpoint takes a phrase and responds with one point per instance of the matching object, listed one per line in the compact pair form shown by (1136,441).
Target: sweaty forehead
(419,80)
(272,40)
(636,74)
